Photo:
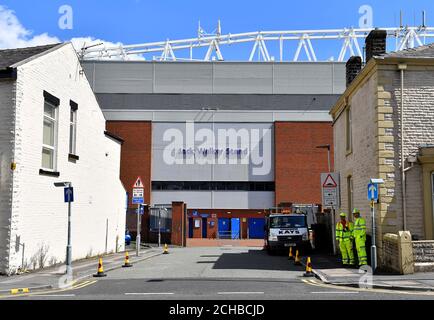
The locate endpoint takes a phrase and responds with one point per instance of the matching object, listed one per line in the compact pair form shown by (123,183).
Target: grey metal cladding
(183,78)
(217,77)
(308,78)
(243,78)
(221,101)
(118,77)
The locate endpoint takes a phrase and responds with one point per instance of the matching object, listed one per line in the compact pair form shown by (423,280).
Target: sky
(26,23)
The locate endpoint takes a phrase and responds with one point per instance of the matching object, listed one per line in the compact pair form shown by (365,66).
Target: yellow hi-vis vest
(360,228)
(344,234)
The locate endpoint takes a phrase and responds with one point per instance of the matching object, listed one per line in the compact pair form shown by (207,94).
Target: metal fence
(160,218)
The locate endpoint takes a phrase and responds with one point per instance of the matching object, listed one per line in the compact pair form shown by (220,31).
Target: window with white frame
(49,138)
(73,129)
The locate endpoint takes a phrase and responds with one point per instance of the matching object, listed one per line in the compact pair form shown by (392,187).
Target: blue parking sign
(68,194)
(373,192)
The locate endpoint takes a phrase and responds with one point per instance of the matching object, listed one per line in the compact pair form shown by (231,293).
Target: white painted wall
(39,215)
(6,143)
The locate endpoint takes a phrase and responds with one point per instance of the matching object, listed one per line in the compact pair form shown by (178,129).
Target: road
(223,273)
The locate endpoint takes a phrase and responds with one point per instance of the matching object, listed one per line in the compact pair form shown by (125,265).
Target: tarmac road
(225,273)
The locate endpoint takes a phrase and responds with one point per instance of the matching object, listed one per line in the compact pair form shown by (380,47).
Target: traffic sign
(138,183)
(330,189)
(68,194)
(373,192)
(138,196)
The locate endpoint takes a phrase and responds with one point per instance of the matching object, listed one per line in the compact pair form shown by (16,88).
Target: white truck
(284,230)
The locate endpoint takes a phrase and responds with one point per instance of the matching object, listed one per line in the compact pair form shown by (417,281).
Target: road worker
(360,237)
(344,235)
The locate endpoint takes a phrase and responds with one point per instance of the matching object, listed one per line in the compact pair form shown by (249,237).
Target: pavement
(55,278)
(329,271)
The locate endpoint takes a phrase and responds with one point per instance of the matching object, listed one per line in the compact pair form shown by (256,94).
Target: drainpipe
(402,67)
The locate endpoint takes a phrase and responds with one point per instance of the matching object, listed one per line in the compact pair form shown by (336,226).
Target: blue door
(235,228)
(190,228)
(256,228)
(224,228)
(204,228)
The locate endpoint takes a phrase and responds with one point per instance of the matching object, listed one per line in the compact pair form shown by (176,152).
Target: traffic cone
(308,272)
(100,272)
(297,261)
(290,256)
(166,249)
(127,263)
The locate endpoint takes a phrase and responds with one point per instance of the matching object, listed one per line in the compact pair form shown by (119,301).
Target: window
(73,129)
(350,194)
(49,140)
(213,185)
(348,130)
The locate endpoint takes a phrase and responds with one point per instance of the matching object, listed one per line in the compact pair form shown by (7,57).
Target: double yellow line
(24,292)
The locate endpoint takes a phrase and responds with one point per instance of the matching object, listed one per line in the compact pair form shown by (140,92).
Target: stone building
(369,141)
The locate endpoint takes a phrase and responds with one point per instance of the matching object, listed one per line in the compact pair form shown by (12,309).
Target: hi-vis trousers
(346,247)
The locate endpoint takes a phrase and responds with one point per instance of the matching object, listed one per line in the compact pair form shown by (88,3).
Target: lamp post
(328,147)
(69,197)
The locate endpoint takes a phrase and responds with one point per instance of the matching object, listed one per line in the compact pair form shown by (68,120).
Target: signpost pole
(69,246)
(138,232)
(373,247)
(333,230)
(159,227)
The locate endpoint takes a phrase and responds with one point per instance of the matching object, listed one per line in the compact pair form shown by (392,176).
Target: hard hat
(356,210)
(343,214)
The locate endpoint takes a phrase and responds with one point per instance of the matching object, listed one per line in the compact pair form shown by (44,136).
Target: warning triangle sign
(329,182)
(138,183)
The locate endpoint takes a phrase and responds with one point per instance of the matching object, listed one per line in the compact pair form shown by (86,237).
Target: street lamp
(328,147)
(68,193)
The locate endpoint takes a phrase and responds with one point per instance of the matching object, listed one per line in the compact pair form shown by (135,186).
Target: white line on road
(55,295)
(240,292)
(146,293)
(335,292)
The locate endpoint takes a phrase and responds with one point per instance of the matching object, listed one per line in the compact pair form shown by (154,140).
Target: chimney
(354,65)
(375,43)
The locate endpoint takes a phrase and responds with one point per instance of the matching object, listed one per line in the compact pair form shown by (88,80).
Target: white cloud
(14,35)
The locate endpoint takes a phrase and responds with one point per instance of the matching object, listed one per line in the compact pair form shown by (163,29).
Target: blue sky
(136,21)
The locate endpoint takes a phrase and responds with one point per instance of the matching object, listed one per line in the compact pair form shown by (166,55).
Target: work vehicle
(284,230)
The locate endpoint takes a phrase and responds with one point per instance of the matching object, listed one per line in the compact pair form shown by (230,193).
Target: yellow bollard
(100,272)
(127,263)
(297,261)
(166,249)
(290,256)
(308,272)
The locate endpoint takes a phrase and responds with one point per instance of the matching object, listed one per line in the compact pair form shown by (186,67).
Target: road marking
(240,292)
(335,292)
(147,293)
(56,295)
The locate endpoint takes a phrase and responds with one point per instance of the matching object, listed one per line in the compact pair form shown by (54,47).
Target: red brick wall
(136,153)
(298,163)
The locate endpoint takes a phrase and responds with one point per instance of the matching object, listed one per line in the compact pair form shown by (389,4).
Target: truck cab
(287,230)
